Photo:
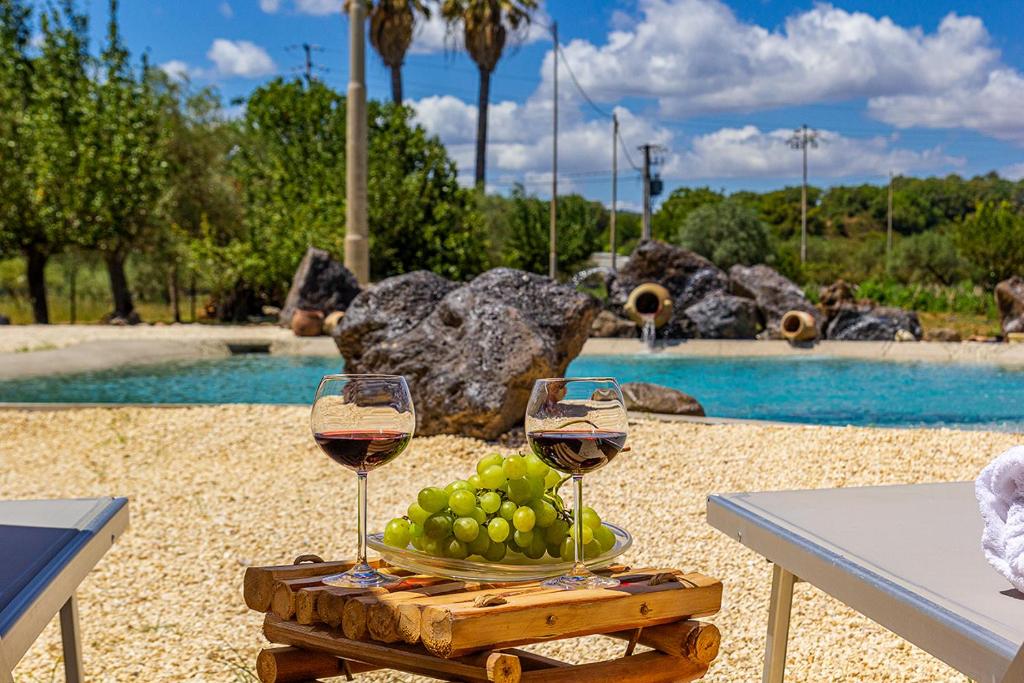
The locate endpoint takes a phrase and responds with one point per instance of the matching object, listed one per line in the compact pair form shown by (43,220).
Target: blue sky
(920,87)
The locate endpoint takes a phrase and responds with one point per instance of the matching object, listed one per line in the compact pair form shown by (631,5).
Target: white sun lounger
(47,547)
(908,557)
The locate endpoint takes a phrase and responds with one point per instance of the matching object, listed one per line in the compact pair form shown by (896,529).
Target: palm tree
(485,25)
(391,29)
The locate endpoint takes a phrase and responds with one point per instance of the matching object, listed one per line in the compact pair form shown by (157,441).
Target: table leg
(69,635)
(778,625)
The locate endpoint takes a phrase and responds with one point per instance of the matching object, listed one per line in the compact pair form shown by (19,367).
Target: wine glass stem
(577,523)
(361,560)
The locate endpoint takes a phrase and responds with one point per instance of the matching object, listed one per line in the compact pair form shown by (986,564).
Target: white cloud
(225,9)
(240,58)
(176,69)
(1013,171)
(318,7)
(270,6)
(433,35)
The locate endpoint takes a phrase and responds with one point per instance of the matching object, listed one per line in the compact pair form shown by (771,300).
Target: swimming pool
(808,389)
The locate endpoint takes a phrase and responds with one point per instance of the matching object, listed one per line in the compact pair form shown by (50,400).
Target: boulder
(831,297)
(942,334)
(774,294)
(472,354)
(858,322)
(689,277)
(4,320)
(607,324)
(644,397)
(132,318)
(332,321)
(320,284)
(723,316)
(1010,301)
(306,323)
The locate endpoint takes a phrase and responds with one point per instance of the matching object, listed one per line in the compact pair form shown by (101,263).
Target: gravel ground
(216,488)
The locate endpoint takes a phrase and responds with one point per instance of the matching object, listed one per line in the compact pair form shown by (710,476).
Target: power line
(565,60)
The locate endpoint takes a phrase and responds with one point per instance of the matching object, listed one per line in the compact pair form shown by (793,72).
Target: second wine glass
(362,422)
(577,425)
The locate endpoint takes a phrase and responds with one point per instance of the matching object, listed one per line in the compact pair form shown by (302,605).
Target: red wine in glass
(576,452)
(362,450)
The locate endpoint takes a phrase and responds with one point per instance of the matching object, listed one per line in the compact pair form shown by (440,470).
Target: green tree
(485,28)
(780,210)
(392,23)
(727,233)
(672,213)
(992,238)
(928,258)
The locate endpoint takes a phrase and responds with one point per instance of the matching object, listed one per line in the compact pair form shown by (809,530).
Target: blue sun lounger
(47,547)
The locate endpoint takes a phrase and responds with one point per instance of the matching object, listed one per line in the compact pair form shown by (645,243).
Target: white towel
(1000,492)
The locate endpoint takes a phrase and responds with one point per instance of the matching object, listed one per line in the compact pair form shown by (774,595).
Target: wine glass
(362,422)
(576,425)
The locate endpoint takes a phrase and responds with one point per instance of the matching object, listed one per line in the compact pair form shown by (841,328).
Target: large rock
(471,357)
(834,296)
(320,284)
(689,277)
(4,320)
(1010,301)
(852,322)
(644,397)
(775,296)
(723,316)
(607,324)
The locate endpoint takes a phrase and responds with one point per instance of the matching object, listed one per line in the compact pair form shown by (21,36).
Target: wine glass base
(361,577)
(581,581)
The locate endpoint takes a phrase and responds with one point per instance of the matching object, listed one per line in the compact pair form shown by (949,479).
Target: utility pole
(553,232)
(615,183)
(357,233)
(888,229)
(645,232)
(802,138)
(308,49)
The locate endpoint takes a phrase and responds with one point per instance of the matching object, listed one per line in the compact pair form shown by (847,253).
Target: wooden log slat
(456,629)
(650,667)
(401,657)
(284,598)
(292,665)
(380,613)
(258,582)
(305,604)
(330,604)
(695,640)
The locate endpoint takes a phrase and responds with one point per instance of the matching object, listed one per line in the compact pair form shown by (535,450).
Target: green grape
(417,541)
(462,502)
(536,487)
(466,529)
(535,467)
(591,518)
(461,484)
(493,477)
(488,461)
(437,526)
(551,479)
(432,546)
(475,482)
(556,533)
(524,519)
(396,533)
(507,509)
(415,531)
(490,502)
(554,550)
(514,467)
(479,515)
(523,539)
(537,548)
(592,550)
(417,514)
(456,549)
(567,552)
(545,513)
(479,545)
(519,491)
(432,499)
(588,534)
(498,529)
(604,536)
(496,553)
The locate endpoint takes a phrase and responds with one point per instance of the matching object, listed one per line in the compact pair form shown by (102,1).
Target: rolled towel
(1000,492)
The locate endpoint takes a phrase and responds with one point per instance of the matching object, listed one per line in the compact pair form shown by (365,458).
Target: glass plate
(514,567)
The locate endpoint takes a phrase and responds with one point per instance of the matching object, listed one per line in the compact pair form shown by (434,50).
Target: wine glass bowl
(577,425)
(362,422)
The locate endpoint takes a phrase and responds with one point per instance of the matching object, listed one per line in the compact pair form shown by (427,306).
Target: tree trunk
(396,84)
(481,127)
(36,272)
(173,293)
(123,306)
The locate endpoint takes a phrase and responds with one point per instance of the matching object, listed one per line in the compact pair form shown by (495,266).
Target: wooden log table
(465,631)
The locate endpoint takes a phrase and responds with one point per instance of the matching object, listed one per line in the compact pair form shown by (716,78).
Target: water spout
(649,333)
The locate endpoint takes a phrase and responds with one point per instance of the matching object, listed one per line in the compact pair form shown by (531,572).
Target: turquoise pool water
(811,389)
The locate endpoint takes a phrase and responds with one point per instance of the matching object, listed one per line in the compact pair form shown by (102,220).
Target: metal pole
(71,641)
(553,236)
(888,230)
(615,184)
(803,200)
(357,233)
(307,48)
(646,231)
(781,603)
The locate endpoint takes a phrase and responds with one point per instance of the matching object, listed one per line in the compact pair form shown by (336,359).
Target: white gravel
(216,488)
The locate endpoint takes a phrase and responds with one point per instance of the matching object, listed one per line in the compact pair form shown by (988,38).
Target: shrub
(727,233)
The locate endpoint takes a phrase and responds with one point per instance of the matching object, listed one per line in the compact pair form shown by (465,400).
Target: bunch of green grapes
(511,505)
